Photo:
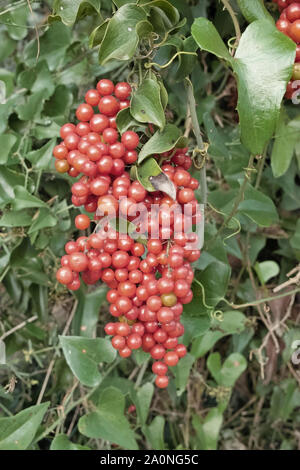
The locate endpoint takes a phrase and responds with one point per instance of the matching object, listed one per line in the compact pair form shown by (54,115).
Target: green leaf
(155,433)
(182,372)
(17,432)
(8,180)
(214,279)
(286,138)
(42,219)
(7,141)
(88,309)
(61,442)
(146,103)
(266,270)
(33,106)
(143,401)
(23,200)
(153,178)
(233,322)
(258,207)
(42,158)
(186,62)
(227,374)
(121,38)
(16,219)
(60,103)
(70,11)
(83,356)
(109,422)
(208,38)
(264,56)
(17,16)
(208,429)
(263,65)
(53,46)
(163,141)
(254,10)
(125,120)
(284,400)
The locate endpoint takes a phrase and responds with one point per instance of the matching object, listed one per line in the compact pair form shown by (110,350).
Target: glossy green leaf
(163,141)
(42,158)
(146,103)
(23,199)
(121,38)
(258,207)
(108,421)
(17,432)
(125,120)
(285,141)
(83,356)
(207,37)
(61,442)
(7,141)
(254,10)
(70,11)
(264,56)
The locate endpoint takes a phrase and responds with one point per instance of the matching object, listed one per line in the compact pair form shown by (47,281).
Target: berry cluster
(289,24)
(149,279)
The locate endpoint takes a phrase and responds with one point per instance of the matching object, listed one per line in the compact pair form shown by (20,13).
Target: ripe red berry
(171,358)
(105,87)
(84,112)
(130,139)
(134,341)
(82,221)
(64,275)
(122,90)
(162,381)
(109,106)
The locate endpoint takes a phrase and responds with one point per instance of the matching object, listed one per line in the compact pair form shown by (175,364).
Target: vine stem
(236,25)
(199,140)
(261,301)
(238,199)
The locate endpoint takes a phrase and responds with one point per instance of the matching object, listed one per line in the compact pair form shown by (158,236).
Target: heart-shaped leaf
(121,37)
(263,65)
(146,105)
(254,10)
(258,207)
(17,432)
(71,11)
(108,421)
(83,356)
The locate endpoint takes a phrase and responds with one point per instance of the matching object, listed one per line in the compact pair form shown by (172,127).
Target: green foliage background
(238,387)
